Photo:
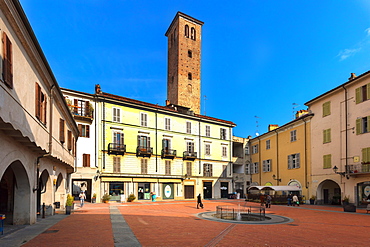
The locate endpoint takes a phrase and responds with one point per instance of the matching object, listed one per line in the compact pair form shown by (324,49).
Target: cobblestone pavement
(176,223)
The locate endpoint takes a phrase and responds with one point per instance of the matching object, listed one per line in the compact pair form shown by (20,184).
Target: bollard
(43,210)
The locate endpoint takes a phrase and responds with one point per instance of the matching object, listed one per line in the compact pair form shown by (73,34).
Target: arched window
(186,31)
(190,53)
(190,77)
(193,34)
(190,88)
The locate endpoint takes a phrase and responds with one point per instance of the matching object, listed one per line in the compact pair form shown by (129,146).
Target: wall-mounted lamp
(335,169)
(274,177)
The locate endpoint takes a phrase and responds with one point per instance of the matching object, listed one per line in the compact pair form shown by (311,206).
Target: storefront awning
(276,188)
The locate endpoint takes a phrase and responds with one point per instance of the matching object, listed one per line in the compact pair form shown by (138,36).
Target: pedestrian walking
(82,197)
(199,201)
(268,201)
(290,200)
(295,200)
(123,197)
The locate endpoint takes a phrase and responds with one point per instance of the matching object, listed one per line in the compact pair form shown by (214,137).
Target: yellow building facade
(146,149)
(281,157)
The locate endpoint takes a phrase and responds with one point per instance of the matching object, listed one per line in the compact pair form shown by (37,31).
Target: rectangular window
(190,147)
(326,109)
(116,115)
(116,164)
(69,141)
(224,151)
(266,166)
(207,148)
(327,161)
(118,138)
(247,150)
(167,123)
(143,142)
(189,169)
(84,130)
(166,144)
(327,136)
(86,160)
(247,169)
(208,130)
(255,149)
(363,125)
(223,134)
(255,168)
(144,119)
(293,161)
(168,167)
(363,93)
(61,130)
(268,145)
(144,166)
(207,170)
(82,108)
(188,127)
(40,104)
(7,61)
(293,135)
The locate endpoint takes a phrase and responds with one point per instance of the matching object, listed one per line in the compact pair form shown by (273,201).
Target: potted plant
(312,199)
(131,198)
(345,200)
(93,199)
(69,203)
(106,198)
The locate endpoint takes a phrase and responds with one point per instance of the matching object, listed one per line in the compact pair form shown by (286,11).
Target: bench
(368,208)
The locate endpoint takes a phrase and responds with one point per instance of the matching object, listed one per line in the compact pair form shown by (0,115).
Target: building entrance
(207,190)
(143,192)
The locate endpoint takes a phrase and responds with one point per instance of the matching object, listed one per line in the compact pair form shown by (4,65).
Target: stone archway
(15,195)
(328,192)
(59,190)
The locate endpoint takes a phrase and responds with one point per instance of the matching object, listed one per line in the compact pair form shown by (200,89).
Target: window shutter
(45,110)
(328,135)
(148,142)
(138,141)
(75,108)
(7,61)
(364,155)
(298,159)
(69,141)
(368,124)
(358,126)
(368,90)
(358,95)
(61,131)
(37,100)
(87,108)
(80,129)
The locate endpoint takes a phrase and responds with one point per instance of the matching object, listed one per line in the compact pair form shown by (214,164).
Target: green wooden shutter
(328,135)
(358,95)
(364,155)
(368,124)
(368,90)
(358,126)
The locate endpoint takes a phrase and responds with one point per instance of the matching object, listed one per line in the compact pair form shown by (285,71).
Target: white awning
(276,188)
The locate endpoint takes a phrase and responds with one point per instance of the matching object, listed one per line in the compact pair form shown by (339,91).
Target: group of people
(293,200)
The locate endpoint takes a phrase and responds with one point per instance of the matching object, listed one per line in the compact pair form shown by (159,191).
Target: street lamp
(335,169)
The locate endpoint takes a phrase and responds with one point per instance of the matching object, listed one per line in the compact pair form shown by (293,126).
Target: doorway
(224,189)
(143,192)
(207,190)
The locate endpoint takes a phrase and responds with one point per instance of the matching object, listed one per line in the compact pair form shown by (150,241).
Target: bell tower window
(186,31)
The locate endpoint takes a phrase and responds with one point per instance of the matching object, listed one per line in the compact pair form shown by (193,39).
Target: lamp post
(274,177)
(335,169)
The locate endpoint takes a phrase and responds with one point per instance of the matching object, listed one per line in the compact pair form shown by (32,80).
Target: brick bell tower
(184,52)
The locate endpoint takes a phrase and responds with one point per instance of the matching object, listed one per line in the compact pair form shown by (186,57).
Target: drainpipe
(103,135)
(277,156)
(51,119)
(200,148)
(259,160)
(346,123)
(38,170)
(305,154)
(156,139)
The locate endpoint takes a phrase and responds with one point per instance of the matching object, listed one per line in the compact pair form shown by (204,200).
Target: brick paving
(175,223)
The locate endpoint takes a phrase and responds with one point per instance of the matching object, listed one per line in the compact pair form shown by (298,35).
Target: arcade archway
(328,192)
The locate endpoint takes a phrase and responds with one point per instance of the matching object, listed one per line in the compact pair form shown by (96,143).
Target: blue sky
(261,60)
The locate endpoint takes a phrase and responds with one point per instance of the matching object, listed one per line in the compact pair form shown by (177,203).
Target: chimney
(353,76)
(97,89)
(272,127)
(300,113)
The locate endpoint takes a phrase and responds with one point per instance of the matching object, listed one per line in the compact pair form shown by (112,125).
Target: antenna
(205,98)
(257,132)
(295,105)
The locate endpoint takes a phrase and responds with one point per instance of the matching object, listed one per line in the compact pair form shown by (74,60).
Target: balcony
(116,149)
(168,153)
(144,151)
(189,155)
(358,169)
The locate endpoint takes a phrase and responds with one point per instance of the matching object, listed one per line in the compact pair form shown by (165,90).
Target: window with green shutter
(366,155)
(327,136)
(326,109)
(327,161)
(363,125)
(363,93)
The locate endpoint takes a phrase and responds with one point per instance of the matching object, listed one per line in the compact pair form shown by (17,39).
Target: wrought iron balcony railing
(144,151)
(168,153)
(189,155)
(116,148)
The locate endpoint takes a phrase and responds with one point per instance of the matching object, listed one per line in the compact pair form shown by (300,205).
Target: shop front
(363,193)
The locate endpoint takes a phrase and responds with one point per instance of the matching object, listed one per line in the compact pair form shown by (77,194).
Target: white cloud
(367,31)
(346,53)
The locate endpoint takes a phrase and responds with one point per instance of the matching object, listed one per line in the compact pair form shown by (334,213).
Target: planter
(345,203)
(93,200)
(68,209)
(349,208)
